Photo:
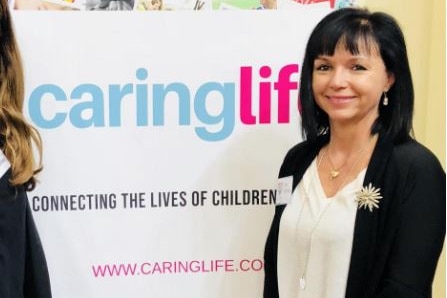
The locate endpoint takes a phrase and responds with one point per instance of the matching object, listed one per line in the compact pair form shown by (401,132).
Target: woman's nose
(338,78)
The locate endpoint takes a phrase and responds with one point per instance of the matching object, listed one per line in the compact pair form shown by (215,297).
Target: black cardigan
(396,247)
(23,268)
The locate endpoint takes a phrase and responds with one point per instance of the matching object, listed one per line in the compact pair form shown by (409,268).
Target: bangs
(355,36)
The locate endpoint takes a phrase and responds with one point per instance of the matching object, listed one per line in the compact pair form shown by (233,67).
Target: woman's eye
(322,67)
(358,67)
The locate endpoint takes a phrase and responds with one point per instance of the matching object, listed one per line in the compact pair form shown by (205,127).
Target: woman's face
(349,87)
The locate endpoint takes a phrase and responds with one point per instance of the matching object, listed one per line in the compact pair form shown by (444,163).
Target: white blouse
(315,239)
(4,164)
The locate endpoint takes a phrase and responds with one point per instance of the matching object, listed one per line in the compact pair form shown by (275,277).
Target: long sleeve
(23,269)
(37,281)
(421,229)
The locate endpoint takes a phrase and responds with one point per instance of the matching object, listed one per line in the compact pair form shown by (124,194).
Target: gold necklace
(335,172)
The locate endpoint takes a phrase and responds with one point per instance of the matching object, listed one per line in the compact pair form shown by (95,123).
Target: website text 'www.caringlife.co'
(176,267)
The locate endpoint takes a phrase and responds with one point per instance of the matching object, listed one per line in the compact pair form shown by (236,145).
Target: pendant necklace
(335,171)
(302,277)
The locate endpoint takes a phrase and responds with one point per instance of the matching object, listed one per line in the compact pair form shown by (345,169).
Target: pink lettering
(283,86)
(265,96)
(245,99)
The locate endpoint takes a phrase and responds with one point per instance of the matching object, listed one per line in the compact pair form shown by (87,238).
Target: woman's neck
(349,138)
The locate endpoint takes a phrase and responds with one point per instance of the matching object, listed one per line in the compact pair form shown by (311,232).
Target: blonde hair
(18,137)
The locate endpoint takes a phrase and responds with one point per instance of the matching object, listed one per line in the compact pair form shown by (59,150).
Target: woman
(23,269)
(365,212)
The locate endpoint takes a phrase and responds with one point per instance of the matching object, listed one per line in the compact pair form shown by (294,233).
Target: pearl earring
(385,99)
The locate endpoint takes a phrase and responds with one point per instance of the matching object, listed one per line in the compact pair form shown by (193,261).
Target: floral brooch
(368,197)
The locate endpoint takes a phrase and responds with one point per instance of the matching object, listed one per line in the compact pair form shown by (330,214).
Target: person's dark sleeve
(420,234)
(12,241)
(23,269)
(270,256)
(37,280)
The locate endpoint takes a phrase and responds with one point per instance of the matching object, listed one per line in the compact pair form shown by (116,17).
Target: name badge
(284,190)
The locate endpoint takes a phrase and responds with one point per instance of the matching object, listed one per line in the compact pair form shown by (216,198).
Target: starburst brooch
(368,197)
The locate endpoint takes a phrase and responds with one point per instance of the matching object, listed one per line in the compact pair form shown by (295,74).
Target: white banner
(163,135)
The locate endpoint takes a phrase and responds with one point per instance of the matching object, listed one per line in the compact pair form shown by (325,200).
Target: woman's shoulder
(300,156)
(298,153)
(298,148)
(306,146)
(416,154)
(418,165)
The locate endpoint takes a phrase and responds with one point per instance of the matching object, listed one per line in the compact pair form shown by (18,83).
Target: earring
(385,99)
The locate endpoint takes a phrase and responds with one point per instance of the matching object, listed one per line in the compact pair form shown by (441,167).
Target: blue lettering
(116,94)
(35,105)
(142,98)
(95,105)
(225,117)
(213,103)
(159,97)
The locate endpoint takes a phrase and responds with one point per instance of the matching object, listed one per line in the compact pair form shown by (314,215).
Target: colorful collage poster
(151,5)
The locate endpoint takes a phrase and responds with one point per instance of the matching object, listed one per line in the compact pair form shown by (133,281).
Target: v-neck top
(315,238)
